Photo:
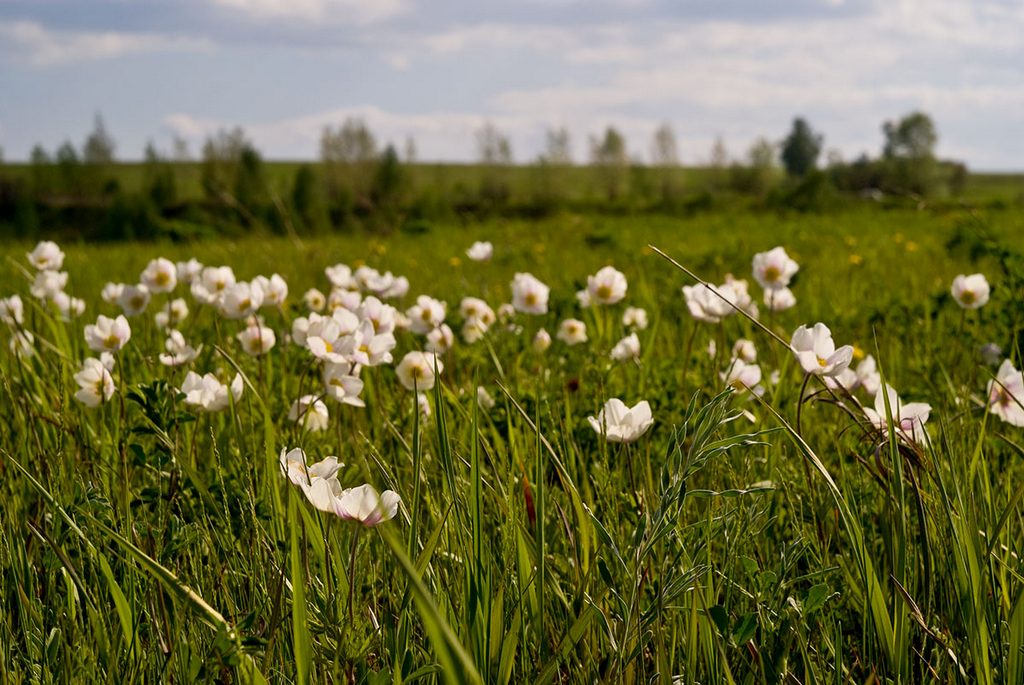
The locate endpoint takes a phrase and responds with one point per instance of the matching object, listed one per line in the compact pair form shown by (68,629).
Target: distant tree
(800,149)
(160,182)
(493,146)
(250,183)
(719,154)
(757,176)
(68,168)
(350,143)
(912,137)
(99,145)
(388,180)
(664,152)
(39,156)
(180,152)
(410,150)
(610,159)
(307,199)
(349,155)
(222,153)
(557,147)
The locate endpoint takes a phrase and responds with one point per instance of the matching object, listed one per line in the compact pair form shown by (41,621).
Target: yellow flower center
(111,342)
(822,362)
(604,292)
(530,299)
(968,297)
(772,273)
(162,278)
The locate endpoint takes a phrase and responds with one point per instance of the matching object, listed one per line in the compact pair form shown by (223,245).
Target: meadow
(764,527)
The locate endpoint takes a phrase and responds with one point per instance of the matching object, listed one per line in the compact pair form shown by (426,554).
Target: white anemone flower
(208,394)
(366,506)
(257,339)
(416,370)
(240,300)
(275,290)
(310,413)
(315,300)
(817,353)
(480,251)
(160,275)
(383,316)
(779,300)
(178,350)
(440,340)
(68,307)
(48,283)
(627,348)
(529,295)
(173,314)
(134,299)
(618,423)
(774,269)
(340,276)
(343,298)
(426,315)
(96,385)
(46,256)
(744,349)
(583,299)
(742,376)
(607,286)
(342,385)
(476,310)
(572,332)
(705,305)
(541,341)
(111,292)
(108,335)
(635,318)
(908,419)
(970,292)
(212,282)
(367,347)
(1006,394)
(12,310)
(296,468)
(189,271)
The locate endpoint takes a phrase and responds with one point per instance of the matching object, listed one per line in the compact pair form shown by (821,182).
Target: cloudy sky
(437,69)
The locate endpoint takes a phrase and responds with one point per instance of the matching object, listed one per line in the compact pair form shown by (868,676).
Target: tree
(609,157)
(68,165)
(350,143)
(410,150)
(800,149)
(493,146)
(912,137)
(307,199)
(160,183)
(557,147)
(349,156)
(180,150)
(99,145)
(664,152)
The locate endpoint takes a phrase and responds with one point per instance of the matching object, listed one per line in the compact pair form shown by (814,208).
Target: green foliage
(800,149)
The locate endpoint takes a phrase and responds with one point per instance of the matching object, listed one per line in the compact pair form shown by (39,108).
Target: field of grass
(779,538)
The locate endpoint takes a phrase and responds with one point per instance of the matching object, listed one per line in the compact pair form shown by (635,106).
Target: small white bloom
(340,276)
(296,468)
(541,341)
(178,350)
(12,310)
(426,315)
(315,300)
(572,332)
(774,269)
(416,370)
(111,292)
(257,339)
(908,419)
(46,256)
(310,413)
(440,340)
(627,348)
(173,314)
(341,385)
(480,251)
(365,505)
(970,292)
(208,394)
(744,349)
(529,295)
(742,376)
(189,271)
(68,307)
(96,385)
(160,275)
(108,335)
(1006,394)
(817,353)
(779,300)
(241,300)
(275,290)
(48,283)
(635,317)
(607,286)
(618,423)
(134,299)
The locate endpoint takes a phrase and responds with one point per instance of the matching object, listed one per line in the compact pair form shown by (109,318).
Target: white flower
(475,310)
(96,385)
(440,340)
(399,288)
(635,317)
(240,300)
(583,298)
(742,376)
(472,331)
(173,314)
(257,339)
(970,292)
(868,376)
(1006,394)
(310,413)
(426,315)
(627,348)
(295,467)
(12,310)
(108,335)
(209,394)
(572,332)
(160,275)
(484,399)
(619,423)
(48,283)
(68,307)
(423,405)
(111,292)
(189,271)
(529,295)
(506,312)
(779,300)
(22,344)
(416,370)
(315,300)
(341,385)
(134,299)
(774,269)
(340,276)
(705,305)
(541,341)
(325,335)
(212,282)
(908,419)
(178,351)
(275,290)
(817,353)
(480,251)
(365,505)
(383,316)
(744,349)
(46,256)
(340,298)
(368,348)
(607,286)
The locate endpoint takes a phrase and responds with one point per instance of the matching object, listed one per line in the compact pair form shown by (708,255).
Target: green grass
(143,542)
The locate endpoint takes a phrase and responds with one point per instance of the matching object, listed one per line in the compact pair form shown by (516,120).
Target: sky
(438,70)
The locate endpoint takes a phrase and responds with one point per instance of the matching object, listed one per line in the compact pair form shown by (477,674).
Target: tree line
(358,182)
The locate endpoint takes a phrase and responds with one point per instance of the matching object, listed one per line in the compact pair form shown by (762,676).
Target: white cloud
(39,46)
(334,11)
